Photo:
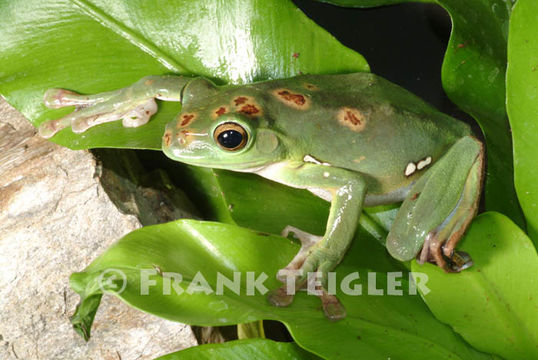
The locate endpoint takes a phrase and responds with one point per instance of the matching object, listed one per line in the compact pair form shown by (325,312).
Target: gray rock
(55,218)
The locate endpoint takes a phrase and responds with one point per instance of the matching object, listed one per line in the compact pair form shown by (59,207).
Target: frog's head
(229,140)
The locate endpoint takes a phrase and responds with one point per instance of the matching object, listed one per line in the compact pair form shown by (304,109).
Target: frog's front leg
(439,208)
(134,104)
(321,254)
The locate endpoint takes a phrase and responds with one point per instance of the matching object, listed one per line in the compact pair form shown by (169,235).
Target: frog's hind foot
(444,255)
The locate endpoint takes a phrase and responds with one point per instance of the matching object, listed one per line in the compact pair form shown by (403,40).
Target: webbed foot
(134,104)
(444,255)
(311,259)
(92,110)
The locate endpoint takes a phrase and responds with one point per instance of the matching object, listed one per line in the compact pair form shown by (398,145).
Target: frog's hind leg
(134,104)
(440,243)
(439,208)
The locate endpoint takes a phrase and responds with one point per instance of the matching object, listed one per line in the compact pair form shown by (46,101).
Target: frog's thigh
(439,206)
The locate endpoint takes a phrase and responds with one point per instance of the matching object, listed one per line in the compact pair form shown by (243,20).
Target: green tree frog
(354,140)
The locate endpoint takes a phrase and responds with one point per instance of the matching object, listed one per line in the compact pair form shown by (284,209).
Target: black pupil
(230,139)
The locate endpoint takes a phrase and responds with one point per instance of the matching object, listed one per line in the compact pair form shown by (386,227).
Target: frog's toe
(306,239)
(140,114)
(332,307)
(460,260)
(280,297)
(298,262)
(83,123)
(442,253)
(49,128)
(58,98)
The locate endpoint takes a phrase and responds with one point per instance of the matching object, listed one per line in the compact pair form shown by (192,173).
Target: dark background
(403,43)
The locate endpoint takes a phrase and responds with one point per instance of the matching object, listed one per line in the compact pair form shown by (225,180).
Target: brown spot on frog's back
(185,119)
(292,99)
(221,110)
(247,105)
(352,118)
(240,100)
(249,109)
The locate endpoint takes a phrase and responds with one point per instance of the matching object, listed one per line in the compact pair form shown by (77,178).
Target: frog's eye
(230,136)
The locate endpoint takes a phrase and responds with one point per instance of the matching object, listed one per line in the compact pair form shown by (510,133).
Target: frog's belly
(370,199)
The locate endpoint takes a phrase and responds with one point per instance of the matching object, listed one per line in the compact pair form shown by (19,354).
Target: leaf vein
(136,39)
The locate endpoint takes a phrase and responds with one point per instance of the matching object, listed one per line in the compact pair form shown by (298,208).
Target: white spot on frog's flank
(423,163)
(326,174)
(410,169)
(308,158)
(311,159)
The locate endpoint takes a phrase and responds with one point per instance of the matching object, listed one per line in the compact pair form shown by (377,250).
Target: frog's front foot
(91,110)
(311,259)
(134,104)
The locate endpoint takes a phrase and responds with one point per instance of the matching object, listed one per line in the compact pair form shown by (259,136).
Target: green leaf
(493,305)
(256,203)
(376,327)
(473,77)
(522,102)
(92,46)
(263,205)
(243,349)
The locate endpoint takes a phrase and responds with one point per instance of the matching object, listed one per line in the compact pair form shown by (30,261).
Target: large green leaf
(243,349)
(376,327)
(473,77)
(97,45)
(266,206)
(522,102)
(494,304)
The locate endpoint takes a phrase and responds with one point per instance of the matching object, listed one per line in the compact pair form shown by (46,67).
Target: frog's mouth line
(244,167)
(239,167)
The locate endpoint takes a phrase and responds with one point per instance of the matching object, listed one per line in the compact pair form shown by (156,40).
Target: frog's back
(363,123)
